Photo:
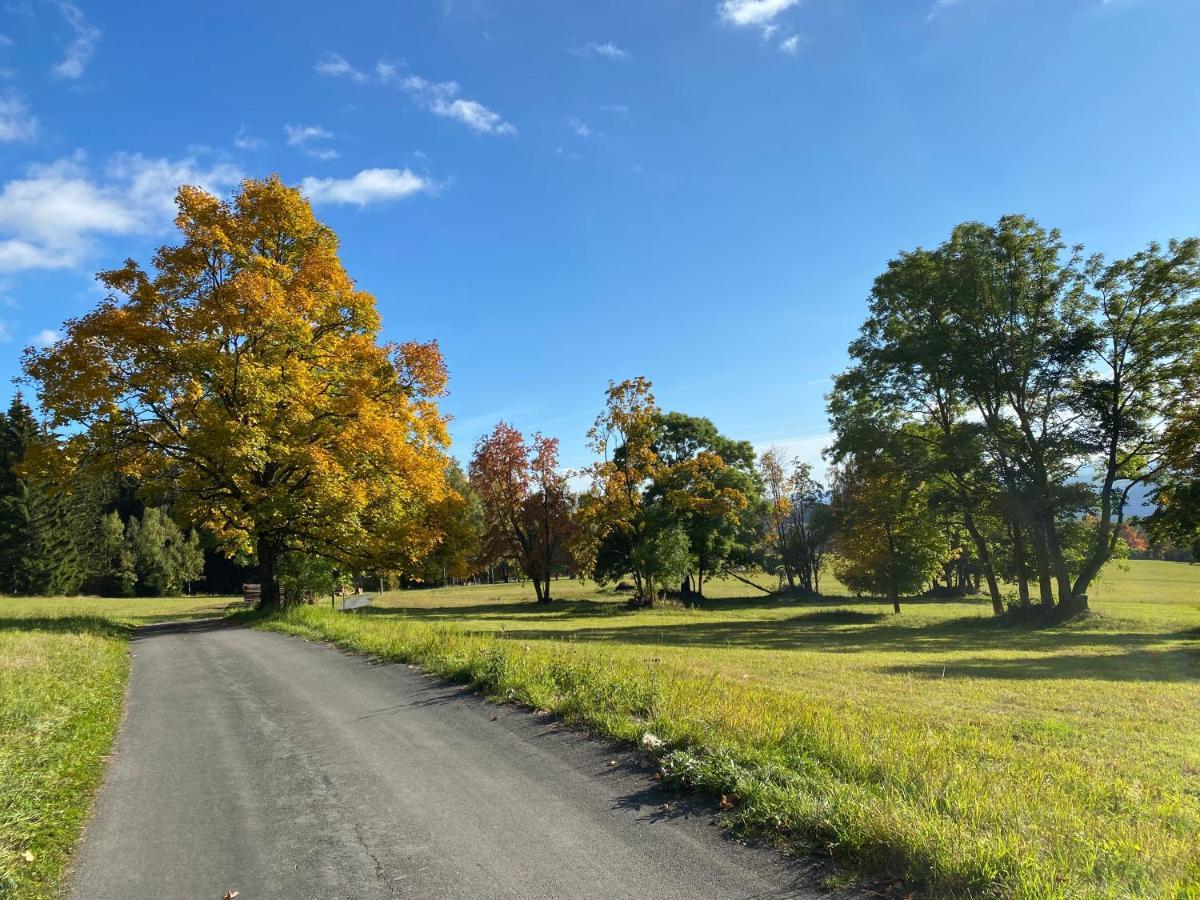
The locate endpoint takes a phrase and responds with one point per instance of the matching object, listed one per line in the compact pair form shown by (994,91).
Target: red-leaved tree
(528,510)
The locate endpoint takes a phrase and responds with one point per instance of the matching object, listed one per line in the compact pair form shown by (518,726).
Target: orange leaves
(245,374)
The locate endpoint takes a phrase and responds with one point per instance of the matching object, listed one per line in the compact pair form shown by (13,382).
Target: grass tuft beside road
(969,758)
(63,668)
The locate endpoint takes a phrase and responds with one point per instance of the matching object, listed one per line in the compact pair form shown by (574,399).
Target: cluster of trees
(671,502)
(1007,396)
(64,535)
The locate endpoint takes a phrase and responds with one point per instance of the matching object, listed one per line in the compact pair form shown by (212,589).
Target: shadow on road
(185,626)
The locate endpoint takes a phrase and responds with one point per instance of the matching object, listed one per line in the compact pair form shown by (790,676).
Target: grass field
(63,667)
(966,756)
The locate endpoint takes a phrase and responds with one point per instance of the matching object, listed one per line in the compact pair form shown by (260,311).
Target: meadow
(967,756)
(64,663)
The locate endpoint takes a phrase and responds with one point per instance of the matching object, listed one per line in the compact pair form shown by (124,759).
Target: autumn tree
(528,509)
(799,528)
(710,486)
(889,542)
(458,519)
(242,378)
(630,534)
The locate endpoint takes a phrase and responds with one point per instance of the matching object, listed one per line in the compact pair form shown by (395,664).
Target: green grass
(966,756)
(63,667)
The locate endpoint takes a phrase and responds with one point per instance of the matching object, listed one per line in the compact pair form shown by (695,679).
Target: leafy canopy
(243,379)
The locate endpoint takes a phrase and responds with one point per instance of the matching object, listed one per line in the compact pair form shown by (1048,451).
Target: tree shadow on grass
(1174,663)
(555,611)
(95,625)
(1069,652)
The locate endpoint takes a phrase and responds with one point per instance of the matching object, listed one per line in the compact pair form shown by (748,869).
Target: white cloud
(16,123)
(760,13)
(302,136)
(150,184)
(608,50)
(53,217)
(243,140)
(368,186)
(297,135)
(441,98)
(80,50)
(45,337)
(580,128)
(5,333)
(790,45)
(336,66)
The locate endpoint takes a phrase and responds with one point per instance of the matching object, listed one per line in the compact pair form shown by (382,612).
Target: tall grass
(61,685)
(962,808)
(63,668)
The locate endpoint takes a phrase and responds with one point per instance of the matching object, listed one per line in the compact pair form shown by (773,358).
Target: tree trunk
(1045,582)
(268,568)
(1019,561)
(985,562)
(1058,565)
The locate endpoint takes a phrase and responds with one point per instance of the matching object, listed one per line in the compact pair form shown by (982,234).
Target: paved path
(283,769)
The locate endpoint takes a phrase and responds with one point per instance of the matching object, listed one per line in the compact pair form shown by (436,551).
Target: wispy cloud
(579,127)
(368,186)
(16,122)
(82,47)
(790,44)
(607,50)
(759,13)
(336,66)
(941,6)
(243,140)
(619,109)
(45,337)
(304,136)
(442,98)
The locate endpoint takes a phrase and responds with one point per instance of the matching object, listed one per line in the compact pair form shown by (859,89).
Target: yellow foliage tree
(244,379)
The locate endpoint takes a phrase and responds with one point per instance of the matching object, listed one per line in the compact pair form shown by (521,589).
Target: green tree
(164,558)
(38,554)
(710,483)
(623,437)
(889,541)
(114,570)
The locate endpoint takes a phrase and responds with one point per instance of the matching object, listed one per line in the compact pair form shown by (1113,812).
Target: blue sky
(563,193)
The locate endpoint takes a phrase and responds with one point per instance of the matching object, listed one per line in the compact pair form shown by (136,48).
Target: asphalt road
(262,764)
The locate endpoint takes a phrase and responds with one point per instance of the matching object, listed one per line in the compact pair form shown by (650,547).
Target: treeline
(1013,392)
(1007,396)
(70,533)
